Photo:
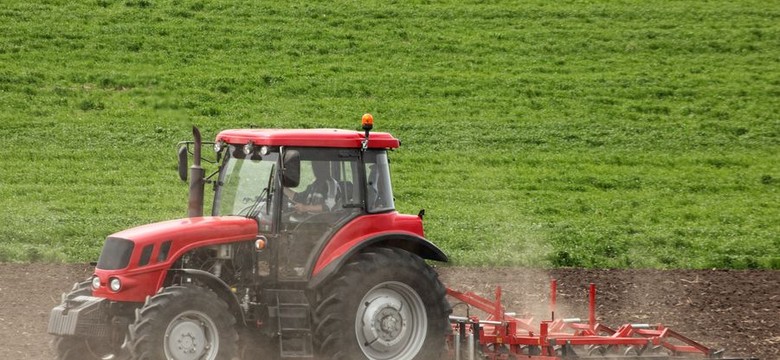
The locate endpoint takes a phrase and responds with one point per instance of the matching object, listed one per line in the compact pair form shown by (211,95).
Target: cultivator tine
(465,335)
(692,346)
(470,348)
(553,298)
(456,342)
(592,306)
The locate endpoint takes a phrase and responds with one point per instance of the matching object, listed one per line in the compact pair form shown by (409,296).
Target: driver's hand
(303,208)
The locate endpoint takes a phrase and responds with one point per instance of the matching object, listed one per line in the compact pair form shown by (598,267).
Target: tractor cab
(298,194)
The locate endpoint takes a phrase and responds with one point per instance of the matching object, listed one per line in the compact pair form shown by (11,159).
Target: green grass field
(535,133)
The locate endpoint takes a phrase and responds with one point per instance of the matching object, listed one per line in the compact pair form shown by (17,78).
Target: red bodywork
(330,138)
(185,234)
(367,227)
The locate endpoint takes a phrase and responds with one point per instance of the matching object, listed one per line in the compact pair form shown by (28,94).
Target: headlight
(115,284)
(218,146)
(95,282)
(249,148)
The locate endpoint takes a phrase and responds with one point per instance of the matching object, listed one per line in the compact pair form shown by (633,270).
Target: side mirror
(291,173)
(183,163)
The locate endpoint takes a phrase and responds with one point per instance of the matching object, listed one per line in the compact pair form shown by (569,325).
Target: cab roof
(332,138)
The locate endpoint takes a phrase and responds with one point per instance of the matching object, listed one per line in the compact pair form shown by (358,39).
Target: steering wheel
(288,211)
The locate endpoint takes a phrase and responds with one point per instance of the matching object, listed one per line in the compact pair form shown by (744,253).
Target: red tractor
(303,255)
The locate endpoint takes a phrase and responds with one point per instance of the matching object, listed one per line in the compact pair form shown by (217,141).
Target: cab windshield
(246,184)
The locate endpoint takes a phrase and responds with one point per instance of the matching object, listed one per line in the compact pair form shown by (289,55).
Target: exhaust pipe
(197,181)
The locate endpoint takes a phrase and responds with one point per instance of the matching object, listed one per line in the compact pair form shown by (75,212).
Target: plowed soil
(735,310)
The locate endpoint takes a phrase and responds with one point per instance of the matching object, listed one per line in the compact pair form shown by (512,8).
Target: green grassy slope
(579,133)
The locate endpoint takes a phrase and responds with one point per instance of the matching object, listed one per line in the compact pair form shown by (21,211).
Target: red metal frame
(501,334)
(367,227)
(331,138)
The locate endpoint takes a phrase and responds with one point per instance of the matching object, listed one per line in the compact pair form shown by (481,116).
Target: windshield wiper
(267,193)
(255,208)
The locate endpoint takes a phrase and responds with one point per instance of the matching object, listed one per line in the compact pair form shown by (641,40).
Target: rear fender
(413,244)
(216,285)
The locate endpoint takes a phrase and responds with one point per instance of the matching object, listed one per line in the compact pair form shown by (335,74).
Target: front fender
(411,243)
(216,285)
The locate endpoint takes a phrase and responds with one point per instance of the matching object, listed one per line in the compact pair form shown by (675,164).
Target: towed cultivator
(504,336)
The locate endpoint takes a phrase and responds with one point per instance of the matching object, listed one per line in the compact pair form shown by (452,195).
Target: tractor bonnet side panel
(157,246)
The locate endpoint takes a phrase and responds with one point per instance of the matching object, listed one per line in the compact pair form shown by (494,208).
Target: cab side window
(379,191)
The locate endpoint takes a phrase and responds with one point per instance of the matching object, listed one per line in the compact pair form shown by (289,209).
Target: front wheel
(79,347)
(384,304)
(184,323)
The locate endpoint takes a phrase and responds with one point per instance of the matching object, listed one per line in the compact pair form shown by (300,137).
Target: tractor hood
(173,238)
(140,257)
(191,230)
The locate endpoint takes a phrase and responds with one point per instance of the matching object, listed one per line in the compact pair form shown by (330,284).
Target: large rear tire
(384,304)
(184,323)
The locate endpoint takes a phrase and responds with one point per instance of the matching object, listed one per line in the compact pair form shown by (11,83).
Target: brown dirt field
(736,310)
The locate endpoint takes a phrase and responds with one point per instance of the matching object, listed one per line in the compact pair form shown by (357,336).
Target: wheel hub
(390,322)
(384,319)
(188,344)
(187,340)
(188,337)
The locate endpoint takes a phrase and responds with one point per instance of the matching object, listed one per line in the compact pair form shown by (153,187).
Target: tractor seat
(347,192)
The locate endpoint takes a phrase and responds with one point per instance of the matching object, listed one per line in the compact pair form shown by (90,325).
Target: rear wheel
(184,323)
(384,304)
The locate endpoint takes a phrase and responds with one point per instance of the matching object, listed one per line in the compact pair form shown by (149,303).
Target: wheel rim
(391,322)
(191,335)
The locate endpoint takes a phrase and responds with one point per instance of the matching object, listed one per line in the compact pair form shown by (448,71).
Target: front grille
(81,316)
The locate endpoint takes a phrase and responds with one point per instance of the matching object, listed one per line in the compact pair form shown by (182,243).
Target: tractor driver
(320,195)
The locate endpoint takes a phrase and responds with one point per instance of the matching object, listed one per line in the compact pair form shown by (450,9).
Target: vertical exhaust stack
(197,183)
